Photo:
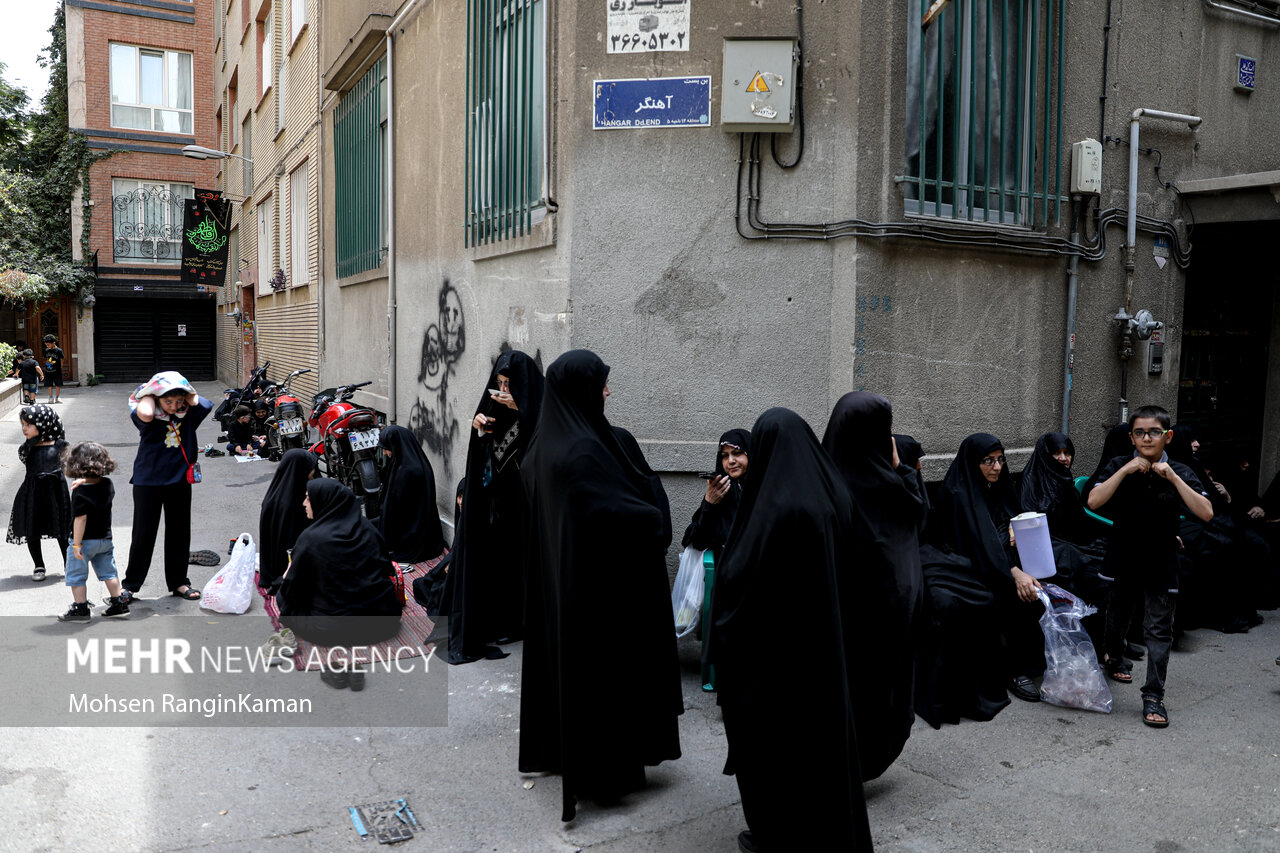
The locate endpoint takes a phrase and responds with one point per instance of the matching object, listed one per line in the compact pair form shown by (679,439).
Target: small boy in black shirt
(88,464)
(53,357)
(30,374)
(1144,497)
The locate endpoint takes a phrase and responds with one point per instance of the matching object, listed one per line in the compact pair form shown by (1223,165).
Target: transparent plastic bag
(1073,678)
(231,589)
(686,595)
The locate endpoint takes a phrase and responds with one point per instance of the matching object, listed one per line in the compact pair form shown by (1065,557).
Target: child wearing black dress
(42,506)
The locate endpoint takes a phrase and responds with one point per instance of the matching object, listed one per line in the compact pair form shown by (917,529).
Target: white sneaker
(37,575)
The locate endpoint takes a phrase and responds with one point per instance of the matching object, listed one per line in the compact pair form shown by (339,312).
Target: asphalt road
(1037,778)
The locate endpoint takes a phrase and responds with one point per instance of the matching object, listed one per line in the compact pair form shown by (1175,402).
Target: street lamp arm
(200,152)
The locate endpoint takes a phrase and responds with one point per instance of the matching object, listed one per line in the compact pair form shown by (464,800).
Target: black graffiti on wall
(434,420)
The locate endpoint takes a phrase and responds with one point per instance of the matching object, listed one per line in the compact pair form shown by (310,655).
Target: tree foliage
(43,165)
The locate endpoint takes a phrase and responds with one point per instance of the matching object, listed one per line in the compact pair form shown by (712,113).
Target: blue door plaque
(653,102)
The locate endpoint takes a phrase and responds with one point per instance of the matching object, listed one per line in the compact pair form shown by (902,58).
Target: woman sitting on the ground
(410,520)
(282,518)
(709,529)
(340,589)
(242,436)
(887,584)
(971,518)
(1049,487)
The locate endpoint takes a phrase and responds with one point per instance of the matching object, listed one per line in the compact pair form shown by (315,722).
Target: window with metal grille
(359,132)
(147,221)
(984,112)
(506,125)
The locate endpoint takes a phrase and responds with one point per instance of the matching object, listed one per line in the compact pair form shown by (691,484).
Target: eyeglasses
(992,461)
(1148,433)
(504,384)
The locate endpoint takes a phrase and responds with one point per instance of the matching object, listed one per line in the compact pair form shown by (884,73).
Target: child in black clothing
(1144,497)
(29,372)
(91,495)
(53,357)
(42,506)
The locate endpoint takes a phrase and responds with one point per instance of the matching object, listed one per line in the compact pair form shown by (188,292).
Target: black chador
(787,554)
(485,588)
(709,529)
(600,692)
(887,590)
(282,518)
(410,519)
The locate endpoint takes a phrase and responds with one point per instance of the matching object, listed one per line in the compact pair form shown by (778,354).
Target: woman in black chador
(485,587)
(598,599)
(796,763)
(1048,486)
(282,518)
(339,589)
(889,513)
(974,508)
(410,520)
(709,529)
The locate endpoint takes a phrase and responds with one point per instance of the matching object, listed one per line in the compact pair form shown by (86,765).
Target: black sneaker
(747,844)
(356,680)
(336,678)
(117,606)
(78,612)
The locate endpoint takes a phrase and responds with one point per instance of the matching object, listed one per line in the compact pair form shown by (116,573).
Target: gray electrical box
(1155,353)
(757,86)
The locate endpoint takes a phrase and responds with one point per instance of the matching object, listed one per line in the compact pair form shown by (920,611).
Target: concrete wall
(704,330)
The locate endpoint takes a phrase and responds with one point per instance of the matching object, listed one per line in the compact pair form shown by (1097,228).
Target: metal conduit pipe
(1073,283)
(391,211)
(1231,9)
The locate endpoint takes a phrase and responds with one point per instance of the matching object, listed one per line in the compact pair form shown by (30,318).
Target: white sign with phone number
(647,26)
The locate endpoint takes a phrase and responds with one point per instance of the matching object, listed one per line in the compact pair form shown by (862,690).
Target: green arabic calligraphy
(205,237)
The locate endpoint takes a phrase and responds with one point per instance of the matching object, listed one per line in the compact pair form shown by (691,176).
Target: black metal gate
(135,338)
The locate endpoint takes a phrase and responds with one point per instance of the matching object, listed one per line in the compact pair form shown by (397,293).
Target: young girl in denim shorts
(88,465)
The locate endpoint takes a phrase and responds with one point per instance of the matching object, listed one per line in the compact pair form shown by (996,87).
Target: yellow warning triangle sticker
(757,84)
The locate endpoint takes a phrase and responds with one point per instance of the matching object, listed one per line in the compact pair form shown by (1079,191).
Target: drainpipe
(1131,238)
(1233,10)
(391,209)
(1073,282)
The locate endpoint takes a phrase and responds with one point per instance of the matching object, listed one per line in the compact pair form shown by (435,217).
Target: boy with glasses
(1144,497)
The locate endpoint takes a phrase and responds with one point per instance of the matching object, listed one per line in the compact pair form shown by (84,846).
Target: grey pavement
(1037,778)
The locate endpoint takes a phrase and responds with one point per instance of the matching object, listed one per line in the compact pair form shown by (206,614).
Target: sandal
(1117,671)
(190,594)
(1154,707)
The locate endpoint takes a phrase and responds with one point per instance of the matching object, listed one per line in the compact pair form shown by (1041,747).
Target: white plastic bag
(1072,678)
(686,595)
(231,589)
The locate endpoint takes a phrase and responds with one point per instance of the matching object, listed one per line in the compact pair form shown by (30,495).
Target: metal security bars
(506,127)
(359,128)
(984,112)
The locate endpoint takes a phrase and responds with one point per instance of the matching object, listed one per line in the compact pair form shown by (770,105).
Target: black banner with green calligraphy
(204,239)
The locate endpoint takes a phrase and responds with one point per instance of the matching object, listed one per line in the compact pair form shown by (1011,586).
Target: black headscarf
(526,388)
(340,567)
(46,420)
(410,520)
(790,541)
(910,451)
(966,506)
(588,503)
(889,515)
(283,518)
(1117,443)
(709,529)
(1049,487)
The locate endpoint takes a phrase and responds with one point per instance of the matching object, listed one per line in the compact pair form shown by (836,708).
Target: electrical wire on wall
(935,231)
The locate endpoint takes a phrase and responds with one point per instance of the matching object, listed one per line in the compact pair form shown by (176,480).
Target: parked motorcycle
(287,426)
(348,447)
(233,397)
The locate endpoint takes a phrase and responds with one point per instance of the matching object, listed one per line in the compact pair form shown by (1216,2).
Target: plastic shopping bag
(686,595)
(1073,678)
(231,589)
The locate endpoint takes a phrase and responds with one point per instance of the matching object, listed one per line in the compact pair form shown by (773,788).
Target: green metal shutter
(358,161)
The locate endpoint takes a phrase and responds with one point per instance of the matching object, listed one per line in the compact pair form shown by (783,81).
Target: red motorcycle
(348,447)
(288,426)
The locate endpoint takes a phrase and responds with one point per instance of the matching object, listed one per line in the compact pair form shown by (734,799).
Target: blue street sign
(656,102)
